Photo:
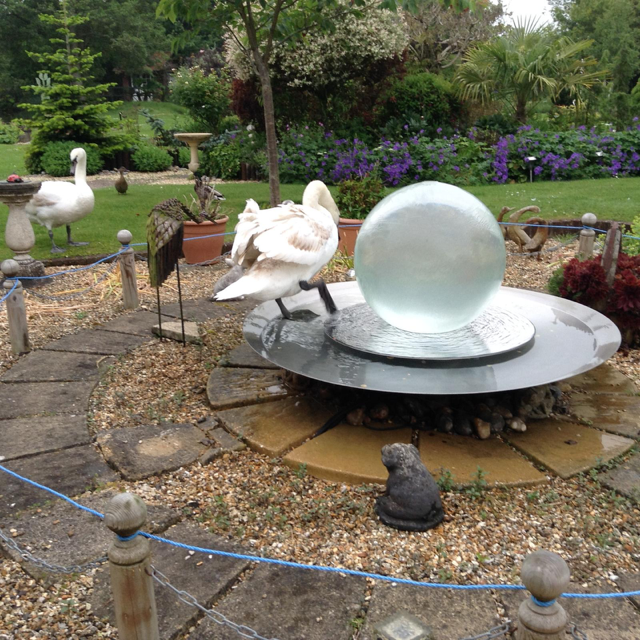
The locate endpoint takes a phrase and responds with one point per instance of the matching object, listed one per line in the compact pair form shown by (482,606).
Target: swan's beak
(72,168)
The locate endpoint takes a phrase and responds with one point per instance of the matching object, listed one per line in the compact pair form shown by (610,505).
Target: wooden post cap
(125,236)
(10,268)
(589,219)
(545,574)
(125,514)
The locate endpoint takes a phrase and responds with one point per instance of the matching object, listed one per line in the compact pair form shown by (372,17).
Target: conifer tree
(71,107)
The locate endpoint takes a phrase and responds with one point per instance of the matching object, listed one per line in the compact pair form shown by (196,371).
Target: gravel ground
(265,506)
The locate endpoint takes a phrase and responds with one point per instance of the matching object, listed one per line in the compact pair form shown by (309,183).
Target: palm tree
(525,65)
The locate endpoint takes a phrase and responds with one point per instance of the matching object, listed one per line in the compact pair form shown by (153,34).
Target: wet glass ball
(429,258)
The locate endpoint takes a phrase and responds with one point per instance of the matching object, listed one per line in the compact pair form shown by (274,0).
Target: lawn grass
(609,199)
(12,159)
(113,212)
(172,115)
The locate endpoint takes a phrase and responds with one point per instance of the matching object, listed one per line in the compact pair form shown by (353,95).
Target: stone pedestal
(193,140)
(19,234)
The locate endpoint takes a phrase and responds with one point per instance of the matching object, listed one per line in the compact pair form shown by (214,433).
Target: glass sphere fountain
(428,314)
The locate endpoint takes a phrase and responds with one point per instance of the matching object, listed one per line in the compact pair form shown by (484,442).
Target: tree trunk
(270,128)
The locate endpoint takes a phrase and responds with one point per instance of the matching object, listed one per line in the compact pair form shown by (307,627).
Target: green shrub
(149,158)
(55,158)
(356,198)
(422,97)
(207,97)
(9,133)
(184,156)
(222,161)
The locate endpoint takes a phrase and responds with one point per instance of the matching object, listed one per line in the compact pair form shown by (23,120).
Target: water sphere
(429,258)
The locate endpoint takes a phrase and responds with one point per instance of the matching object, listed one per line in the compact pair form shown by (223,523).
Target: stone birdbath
(193,140)
(19,234)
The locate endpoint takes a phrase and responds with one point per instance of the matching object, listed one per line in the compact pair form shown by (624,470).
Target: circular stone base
(254,405)
(495,331)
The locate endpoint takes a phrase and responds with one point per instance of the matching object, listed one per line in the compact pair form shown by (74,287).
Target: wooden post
(128,272)
(129,566)
(546,575)
(611,250)
(16,312)
(587,237)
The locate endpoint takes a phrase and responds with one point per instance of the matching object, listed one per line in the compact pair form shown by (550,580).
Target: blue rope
(52,491)
(15,284)
(298,565)
(62,273)
(542,603)
(127,538)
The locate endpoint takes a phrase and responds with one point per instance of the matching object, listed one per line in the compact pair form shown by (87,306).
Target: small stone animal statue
(518,235)
(121,184)
(412,499)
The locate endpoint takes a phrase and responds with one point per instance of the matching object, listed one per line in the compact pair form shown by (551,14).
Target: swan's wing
(51,193)
(290,233)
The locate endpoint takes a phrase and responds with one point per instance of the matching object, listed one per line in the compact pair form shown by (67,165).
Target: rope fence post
(130,569)
(546,575)
(587,237)
(16,312)
(610,253)
(128,271)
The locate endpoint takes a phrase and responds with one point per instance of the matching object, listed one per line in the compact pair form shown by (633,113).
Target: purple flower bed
(314,153)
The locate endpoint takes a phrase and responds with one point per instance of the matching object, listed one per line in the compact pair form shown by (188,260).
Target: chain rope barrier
(501,631)
(217,617)
(75,294)
(51,567)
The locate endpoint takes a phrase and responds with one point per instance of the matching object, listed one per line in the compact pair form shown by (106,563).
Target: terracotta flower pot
(203,248)
(348,232)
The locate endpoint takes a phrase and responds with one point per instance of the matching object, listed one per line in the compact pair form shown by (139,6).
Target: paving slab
(276,427)
(290,604)
(625,478)
(203,309)
(462,456)
(28,436)
(62,534)
(615,412)
(138,323)
(228,388)
(70,471)
(173,331)
(630,582)
(603,379)
(203,576)
(140,452)
(567,448)
(347,454)
(30,399)
(245,356)
(95,341)
(449,614)
(607,619)
(50,366)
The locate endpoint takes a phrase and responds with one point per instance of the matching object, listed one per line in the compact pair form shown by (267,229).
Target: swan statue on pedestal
(63,203)
(282,248)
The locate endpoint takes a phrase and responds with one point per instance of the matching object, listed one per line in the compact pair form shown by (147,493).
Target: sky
(528,8)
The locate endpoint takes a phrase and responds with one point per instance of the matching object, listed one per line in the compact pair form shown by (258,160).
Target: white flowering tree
(319,58)
(268,24)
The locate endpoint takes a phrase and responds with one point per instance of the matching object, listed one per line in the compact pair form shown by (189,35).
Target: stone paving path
(44,436)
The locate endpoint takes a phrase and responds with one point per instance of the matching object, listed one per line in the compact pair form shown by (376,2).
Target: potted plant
(355,200)
(203,240)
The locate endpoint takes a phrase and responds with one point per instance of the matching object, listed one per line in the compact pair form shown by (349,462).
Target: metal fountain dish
(569,339)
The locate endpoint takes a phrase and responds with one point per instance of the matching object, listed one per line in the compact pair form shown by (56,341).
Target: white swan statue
(282,248)
(62,203)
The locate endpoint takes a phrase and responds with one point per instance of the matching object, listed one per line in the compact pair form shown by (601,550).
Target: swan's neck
(81,171)
(317,195)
